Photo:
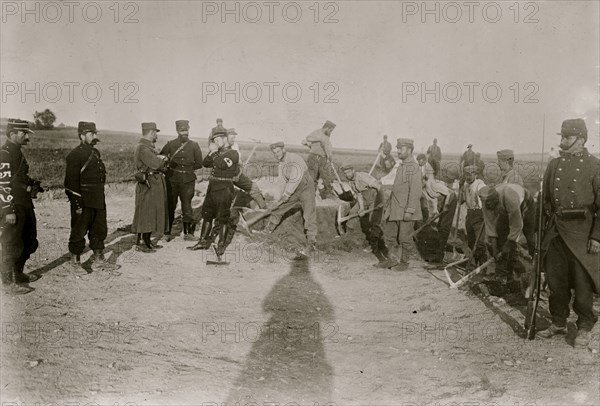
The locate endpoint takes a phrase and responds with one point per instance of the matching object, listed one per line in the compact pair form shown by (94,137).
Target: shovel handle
(428,222)
(375,163)
(351,216)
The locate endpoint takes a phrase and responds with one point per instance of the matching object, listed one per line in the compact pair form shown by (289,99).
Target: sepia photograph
(300,203)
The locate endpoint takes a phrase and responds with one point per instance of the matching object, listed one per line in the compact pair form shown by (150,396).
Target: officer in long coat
(403,207)
(151,190)
(17,215)
(84,185)
(571,191)
(185,157)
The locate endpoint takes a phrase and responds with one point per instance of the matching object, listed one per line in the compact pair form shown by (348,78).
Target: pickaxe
(340,221)
(465,278)
(468,260)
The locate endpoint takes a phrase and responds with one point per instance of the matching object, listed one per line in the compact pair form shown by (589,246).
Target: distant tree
(44,120)
(61,125)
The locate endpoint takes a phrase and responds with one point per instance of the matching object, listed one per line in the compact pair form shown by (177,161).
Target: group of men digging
(391,210)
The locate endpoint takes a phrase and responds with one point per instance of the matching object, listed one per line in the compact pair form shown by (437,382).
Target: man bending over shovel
(299,189)
(369,204)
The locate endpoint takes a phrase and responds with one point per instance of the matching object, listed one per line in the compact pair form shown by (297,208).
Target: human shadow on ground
(287,362)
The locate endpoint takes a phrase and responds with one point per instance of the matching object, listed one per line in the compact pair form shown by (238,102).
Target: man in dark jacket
(185,157)
(17,215)
(84,185)
(217,204)
(571,192)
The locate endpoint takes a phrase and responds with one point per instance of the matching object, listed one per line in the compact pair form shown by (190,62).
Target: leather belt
(180,171)
(92,184)
(222,179)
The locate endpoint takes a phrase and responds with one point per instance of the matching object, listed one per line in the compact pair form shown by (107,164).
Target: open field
(47,151)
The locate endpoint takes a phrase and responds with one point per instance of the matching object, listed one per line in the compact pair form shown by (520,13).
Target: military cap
(574,127)
(421,156)
(488,193)
(86,127)
(405,142)
(329,124)
(470,146)
(278,144)
(182,125)
(149,126)
(218,131)
(347,167)
(505,154)
(231,131)
(470,169)
(15,124)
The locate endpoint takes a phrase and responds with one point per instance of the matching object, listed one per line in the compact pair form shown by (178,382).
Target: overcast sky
(370,65)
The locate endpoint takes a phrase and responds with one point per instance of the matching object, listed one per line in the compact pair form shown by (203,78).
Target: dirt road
(168,329)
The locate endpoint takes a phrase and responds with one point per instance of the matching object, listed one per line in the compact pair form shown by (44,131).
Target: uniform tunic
(220,192)
(572,182)
(84,185)
(185,158)
(405,199)
(151,214)
(18,240)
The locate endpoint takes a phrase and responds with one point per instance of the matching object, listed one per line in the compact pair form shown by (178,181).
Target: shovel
(346,194)
(340,221)
(246,224)
(375,163)
(428,222)
(219,260)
